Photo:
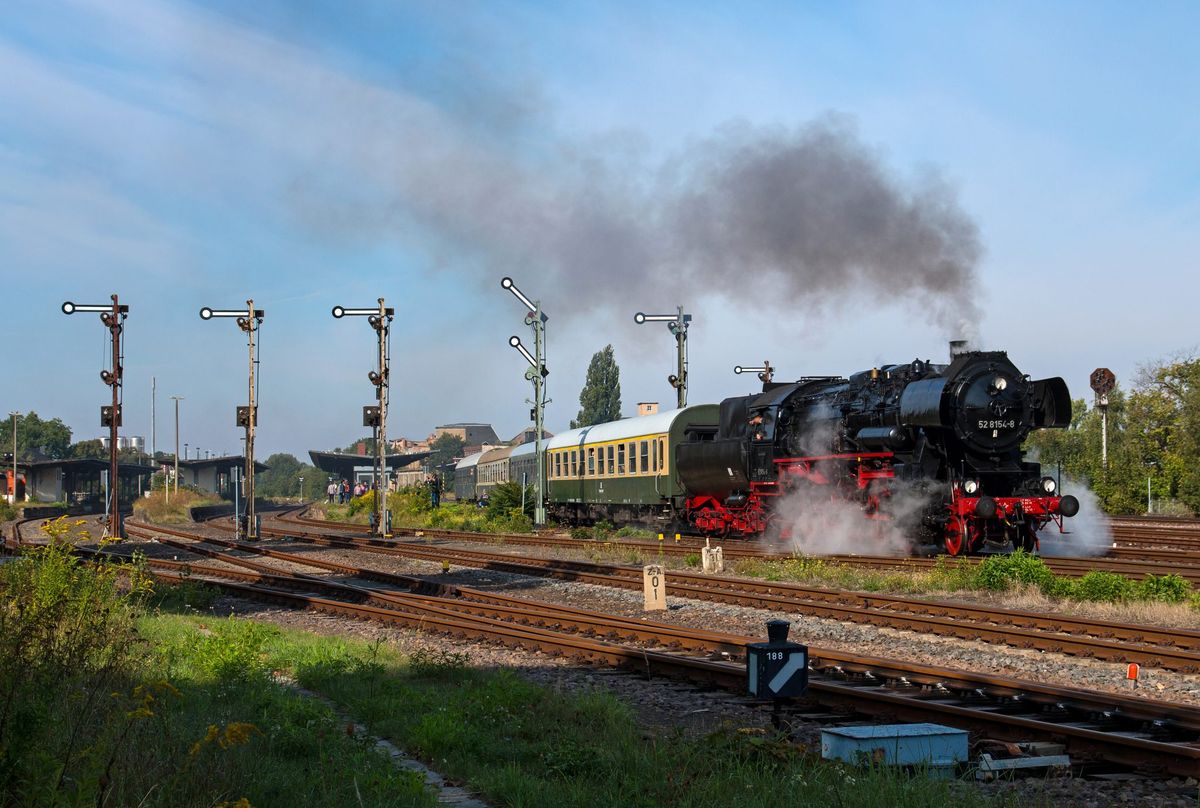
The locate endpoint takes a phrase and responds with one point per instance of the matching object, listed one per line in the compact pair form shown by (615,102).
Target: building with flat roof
(213,474)
(472,434)
(81,481)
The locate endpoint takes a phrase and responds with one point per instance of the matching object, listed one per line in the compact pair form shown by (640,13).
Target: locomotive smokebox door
(776,669)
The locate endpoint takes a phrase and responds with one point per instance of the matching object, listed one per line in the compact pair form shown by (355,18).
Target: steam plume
(783,217)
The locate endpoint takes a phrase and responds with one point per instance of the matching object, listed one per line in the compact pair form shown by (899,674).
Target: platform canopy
(343,465)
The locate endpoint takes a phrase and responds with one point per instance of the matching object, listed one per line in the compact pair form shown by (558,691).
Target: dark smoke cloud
(806,217)
(814,211)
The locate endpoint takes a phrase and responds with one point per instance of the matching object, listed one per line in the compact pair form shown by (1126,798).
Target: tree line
(1153,443)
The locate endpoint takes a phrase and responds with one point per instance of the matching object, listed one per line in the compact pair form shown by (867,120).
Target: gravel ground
(664,707)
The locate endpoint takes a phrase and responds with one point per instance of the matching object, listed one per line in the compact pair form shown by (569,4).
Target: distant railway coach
(492,469)
(522,464)
(464,477)
(623,471)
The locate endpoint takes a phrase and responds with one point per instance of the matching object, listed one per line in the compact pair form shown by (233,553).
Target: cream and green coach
(623,470)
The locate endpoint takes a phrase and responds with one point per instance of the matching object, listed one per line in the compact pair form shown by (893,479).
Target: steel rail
(1170,649)
(1118,729)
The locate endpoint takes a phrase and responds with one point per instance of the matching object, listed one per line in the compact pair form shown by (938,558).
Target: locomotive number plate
(998,424)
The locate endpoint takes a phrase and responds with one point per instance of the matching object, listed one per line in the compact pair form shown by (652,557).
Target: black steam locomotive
(945,436)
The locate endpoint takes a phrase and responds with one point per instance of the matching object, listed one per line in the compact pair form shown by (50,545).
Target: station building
(79,482)
(212,474)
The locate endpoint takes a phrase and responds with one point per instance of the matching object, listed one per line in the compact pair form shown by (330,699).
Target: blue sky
(311,154)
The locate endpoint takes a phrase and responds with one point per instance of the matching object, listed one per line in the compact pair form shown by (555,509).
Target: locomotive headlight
(970,486)
(1048,485)
(999,385)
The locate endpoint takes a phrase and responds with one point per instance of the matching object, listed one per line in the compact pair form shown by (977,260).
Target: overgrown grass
(998,573)
(411,509)
(109,698)
(522,744)
(101,704)
(175,508)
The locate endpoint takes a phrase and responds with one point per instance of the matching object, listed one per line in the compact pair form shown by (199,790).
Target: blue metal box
(932,746)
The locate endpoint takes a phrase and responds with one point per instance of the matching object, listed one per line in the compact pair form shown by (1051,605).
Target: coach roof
(626,428)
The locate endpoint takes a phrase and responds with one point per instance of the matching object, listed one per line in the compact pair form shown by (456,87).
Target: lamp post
(301,488)
(375,416)
(537,373)
(176,399)
(14,415)
(765,371)
(113,316)
(677,324)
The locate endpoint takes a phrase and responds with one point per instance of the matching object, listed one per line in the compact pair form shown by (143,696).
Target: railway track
(1156,532)
(1134,564)
(1167,648)
(1154,737)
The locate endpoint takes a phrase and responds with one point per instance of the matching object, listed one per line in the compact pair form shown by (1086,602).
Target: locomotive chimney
(958,347)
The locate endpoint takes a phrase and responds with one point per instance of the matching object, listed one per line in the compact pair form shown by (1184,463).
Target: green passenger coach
(624,470)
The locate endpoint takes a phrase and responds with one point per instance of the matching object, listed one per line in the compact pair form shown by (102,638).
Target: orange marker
(1132,673)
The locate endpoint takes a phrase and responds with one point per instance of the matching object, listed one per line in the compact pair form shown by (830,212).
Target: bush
(234,651)
(7,512)
(1000,572)
(1104,586)
(512,521)
(68,651)
(508,497)
(1163,588)
(581,533)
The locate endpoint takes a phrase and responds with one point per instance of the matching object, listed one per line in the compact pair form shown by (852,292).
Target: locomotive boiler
(947,437)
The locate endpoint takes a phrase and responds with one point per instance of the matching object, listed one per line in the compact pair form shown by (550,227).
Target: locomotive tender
(945,436)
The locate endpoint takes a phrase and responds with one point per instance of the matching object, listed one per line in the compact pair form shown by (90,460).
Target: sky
(828,186)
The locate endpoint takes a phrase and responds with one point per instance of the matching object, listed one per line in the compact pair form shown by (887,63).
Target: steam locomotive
(934,449)
(945,436)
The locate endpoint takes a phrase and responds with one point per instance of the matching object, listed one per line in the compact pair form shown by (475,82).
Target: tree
(600,399)
(368,444)
(1153,437)
(37,439)
(89,448)
(282,477)
(445,448)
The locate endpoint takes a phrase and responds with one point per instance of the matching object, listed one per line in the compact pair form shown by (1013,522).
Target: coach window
(612,465)
(662,460)
(591,467)
(621,459)
(645,457)
(557,465)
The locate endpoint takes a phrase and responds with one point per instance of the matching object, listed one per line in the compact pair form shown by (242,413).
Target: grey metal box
(931,745)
